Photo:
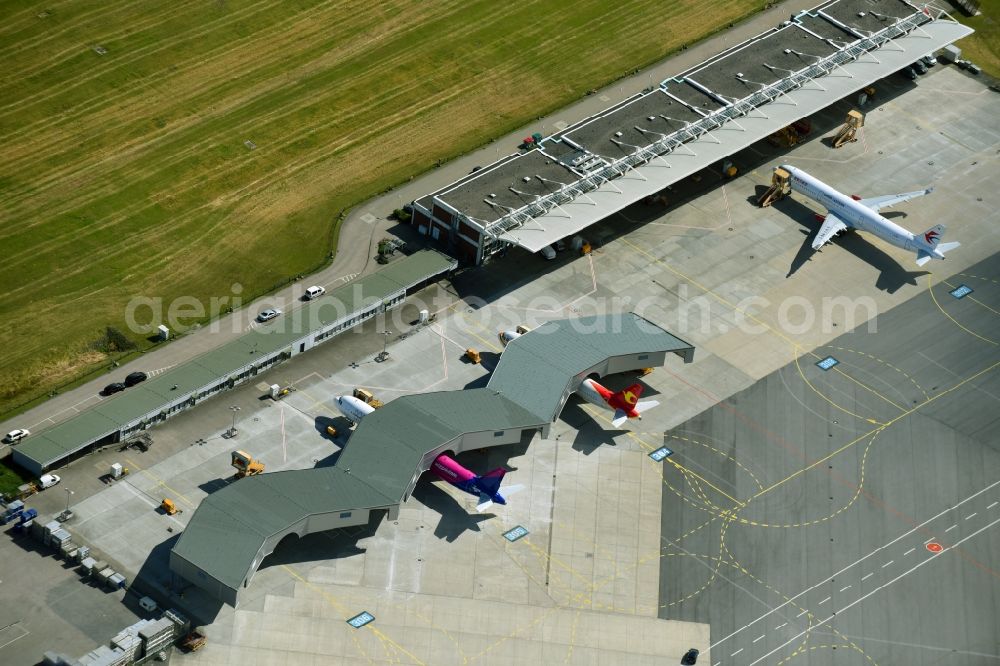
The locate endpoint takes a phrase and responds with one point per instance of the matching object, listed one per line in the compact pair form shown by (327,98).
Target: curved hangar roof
(237,526)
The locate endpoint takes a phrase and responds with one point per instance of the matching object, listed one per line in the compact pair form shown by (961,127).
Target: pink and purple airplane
(485,487)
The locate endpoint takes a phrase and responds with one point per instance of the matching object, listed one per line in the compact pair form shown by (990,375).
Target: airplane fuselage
(448,469)
(353,408)
(597,394)
(851,212)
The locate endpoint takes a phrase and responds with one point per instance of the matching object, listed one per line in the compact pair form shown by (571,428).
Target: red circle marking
(934,547)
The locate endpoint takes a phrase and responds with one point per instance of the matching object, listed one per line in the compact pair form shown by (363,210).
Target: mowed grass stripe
(168,74)
(32,200)
(31,31)
(394,96)
(138,135)
(200,211)
(65,79)
(33,59)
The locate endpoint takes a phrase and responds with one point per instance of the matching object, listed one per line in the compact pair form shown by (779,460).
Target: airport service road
(790,623)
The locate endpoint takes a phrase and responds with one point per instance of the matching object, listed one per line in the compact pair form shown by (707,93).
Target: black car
(111,389)
(690,657)
(134,378)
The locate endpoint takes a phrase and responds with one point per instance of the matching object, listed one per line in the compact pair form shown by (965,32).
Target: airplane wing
(832,226)
(888,200)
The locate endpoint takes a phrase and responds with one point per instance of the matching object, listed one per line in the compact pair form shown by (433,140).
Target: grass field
(983,46)
(126,173)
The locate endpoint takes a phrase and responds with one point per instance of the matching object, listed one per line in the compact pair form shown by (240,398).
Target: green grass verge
(983,46)
(127,173)
(11,477)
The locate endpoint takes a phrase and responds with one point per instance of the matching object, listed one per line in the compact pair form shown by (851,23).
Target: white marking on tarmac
(972,516)
(928,541)
(951,528)
(862,559)
(759,638)
(866,577)
(824,601)
(284,448)
(26,632)
(888,563)
(992,505)
(802,613)
(780,626)
(860,599)
(845,588)
(736,653)
(908,552)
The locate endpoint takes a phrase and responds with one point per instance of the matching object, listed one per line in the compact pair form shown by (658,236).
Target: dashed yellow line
(875,430)
(827,398)
(953,320)
(883,362)
(974,299)
(795,346)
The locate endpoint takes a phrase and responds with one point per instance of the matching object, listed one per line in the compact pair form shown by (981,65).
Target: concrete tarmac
(616,541)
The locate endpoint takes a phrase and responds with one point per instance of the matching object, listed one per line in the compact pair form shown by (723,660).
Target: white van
(48,480)
(314,292)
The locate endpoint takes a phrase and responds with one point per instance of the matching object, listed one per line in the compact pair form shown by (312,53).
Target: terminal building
(237,526)
(157,399)
(690,122)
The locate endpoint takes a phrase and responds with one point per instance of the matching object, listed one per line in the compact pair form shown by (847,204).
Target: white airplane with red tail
(844,212)
(625,403)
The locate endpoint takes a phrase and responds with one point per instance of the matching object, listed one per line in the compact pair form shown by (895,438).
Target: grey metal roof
(386,451)
(112,414)
(555,352)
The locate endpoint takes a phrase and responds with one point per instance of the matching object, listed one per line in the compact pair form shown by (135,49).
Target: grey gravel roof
(554,353)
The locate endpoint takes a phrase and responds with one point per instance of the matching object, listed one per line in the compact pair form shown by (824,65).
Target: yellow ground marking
(857,494)
(572,637)
(513,634)
(875,430)
(803,649)
(336,605)
(715,571)
(485,342)
(979,277)
(795,345)
(883,362)
(593,411)
(867,419)
(691,440)
(953,320)
(160,482)
(973,299)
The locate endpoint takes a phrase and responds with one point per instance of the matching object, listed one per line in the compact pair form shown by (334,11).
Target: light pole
(234,409)
(385,343)
(68,493)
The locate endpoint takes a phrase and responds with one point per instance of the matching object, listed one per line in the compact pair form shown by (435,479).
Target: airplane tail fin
(489,483)
(627,397)
(933,235)
(933,247)
(489,490)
